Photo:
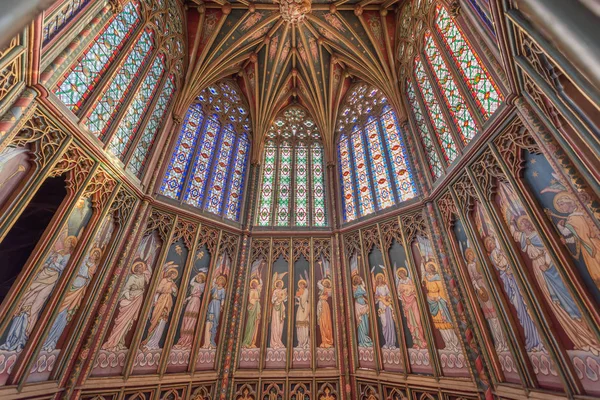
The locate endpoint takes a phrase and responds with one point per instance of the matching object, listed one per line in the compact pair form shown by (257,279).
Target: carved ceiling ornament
(293,11)
(412,22)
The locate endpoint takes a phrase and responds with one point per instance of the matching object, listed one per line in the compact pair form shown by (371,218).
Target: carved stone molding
(487,172)
(447,208)
(160,222)
(370,238)
(511,144)
(390,231)
(76,164)
(413,225)
(44,136)
(229,244)
(351,243)
(301,246)
(185,230)
(322,248)
(209,237)
(100,188)
(122,206)
(281,247)
(260,249)
(465,193)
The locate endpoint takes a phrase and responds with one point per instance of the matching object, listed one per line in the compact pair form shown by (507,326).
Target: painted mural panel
(46,276)
(438,304)
(111,358)
(386,318)
(165,296)
(486,305)
(406,290)
(324,314)
(214,314)
(14,166)
(277,319)
(362,314)
(250,353)
(584,345)
(88,267)
(302,354)
(185,334)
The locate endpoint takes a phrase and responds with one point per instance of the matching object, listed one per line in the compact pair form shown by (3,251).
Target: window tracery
(208,166)
(375,171)
(450,94)
(58,18)
(293,182)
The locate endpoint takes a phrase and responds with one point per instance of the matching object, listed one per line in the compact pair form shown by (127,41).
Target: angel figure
(163,304)
(323,308)
(192,308)
(383,297)
(303,312)
(278,299)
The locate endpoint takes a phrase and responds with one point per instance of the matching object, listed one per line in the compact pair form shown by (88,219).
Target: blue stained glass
(172,185)
(214,201)
(365,198)
(346,180)
(195,191)
(381,180)
(236,186)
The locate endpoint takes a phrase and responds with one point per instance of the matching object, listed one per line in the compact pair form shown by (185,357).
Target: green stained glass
(464,121)
(442,130)
(142,149)
(479,81)
(285,185)
(318,189)
(435,164)
(125,133)
(301,192)
(104,111)
(267,186)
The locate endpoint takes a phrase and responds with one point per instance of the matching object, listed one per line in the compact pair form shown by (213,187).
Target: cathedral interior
(296,199)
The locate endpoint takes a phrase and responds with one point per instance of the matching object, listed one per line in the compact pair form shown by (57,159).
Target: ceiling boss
(293,11)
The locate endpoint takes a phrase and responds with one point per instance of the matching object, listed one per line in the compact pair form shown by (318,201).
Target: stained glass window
(479,81)
(293,175)
(61,16)
(208,165)
(103,112)
(482,9)
(79,82)
(374,167)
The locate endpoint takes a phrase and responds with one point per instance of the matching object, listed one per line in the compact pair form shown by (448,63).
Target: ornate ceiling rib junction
(292,50)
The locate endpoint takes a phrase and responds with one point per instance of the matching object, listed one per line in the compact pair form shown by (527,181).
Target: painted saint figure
(408,297)
(253,314)
(163,304)
(73,298)
(278,299)
(383,297)
(361,310)
(215,307)
(130,304)
(190,314)
(36,295)
(438,306)
(303,314)
(487,307)
(324,313)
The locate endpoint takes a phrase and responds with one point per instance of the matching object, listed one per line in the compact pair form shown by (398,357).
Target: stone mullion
(176,314)
(108,76)
(230,171)
(274,195)
(420,161)
(128,98)
(539,312)
(310,195)
(190,171)
(292,195)
(51,310)
(368,165)
(331,203)
(438,93)
(398,323)
(251,190)
(214,158)
(230,355)
(386,156)
(146,307)
(160,86)
(463,89)
(352,169)
(436,366)
(63,61)
(431,128)
(72,29)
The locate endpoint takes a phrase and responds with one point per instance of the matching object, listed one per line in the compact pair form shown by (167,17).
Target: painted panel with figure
(362,313)
(111,358)
(481,290)
(324,314)
(302,332)
(15,164)
(185,334)
(36,294)
(161,310)
(543,366)
(217,294)
(250,352)
(386,317)
(277,317)
(406,291)
(583,345)
(445,335)
(89,265)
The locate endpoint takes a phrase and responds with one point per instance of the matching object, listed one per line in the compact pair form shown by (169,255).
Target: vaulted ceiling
(292,50)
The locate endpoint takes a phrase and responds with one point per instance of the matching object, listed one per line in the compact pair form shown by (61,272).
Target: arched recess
(208,165)
(374,165)
(292,183)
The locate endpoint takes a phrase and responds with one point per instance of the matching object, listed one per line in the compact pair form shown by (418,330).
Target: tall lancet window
(375,171)
(122,84)
(208,165)
(451,94)
(293,177)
